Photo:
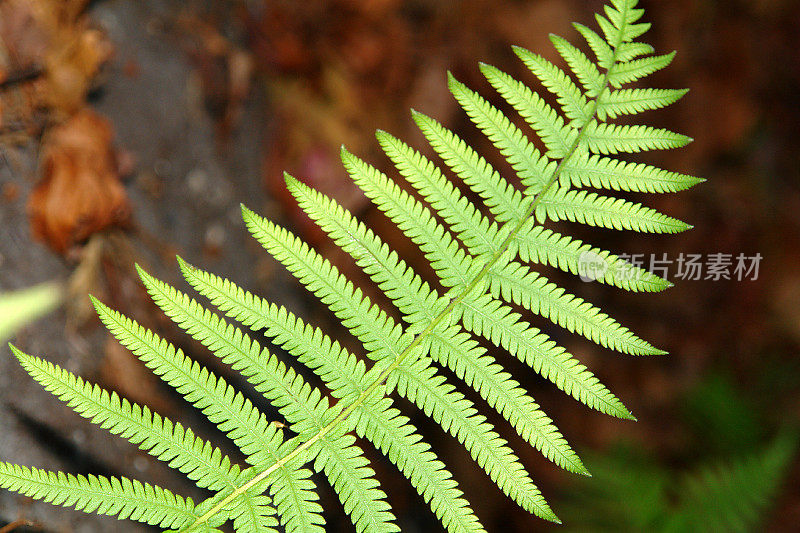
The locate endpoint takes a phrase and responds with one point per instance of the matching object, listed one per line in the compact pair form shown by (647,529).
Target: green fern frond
(385,341)
(573,102)
(634,101)
(515,282)
(543,119)
(732,496)
(114,496)
(606,56)
(634,493)
(480,314)
(623,73)
(221,403)
(623,15)
(541,245)
(344,374)
(604,211)
(254,515)
(257,438)
(631,50)
(612,139)
(613,174)
(305,408)
(482,284)
(580,65)
(526,160)
(533,242)
(503,199)
(450,346)
(165,440)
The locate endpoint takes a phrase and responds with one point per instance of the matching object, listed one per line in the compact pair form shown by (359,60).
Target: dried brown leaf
(79,192)
(51,39)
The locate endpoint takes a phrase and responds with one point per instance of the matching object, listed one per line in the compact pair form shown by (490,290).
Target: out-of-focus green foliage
(733,495)
(21,307)
(633,491)
(724,419)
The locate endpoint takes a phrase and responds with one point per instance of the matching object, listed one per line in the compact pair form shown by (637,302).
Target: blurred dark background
(131,130)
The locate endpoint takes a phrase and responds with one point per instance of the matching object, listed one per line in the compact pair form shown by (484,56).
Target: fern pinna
(482,256)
